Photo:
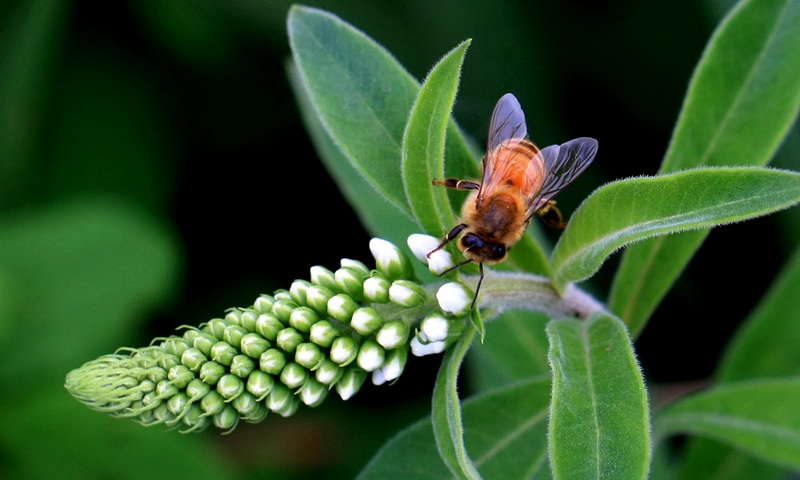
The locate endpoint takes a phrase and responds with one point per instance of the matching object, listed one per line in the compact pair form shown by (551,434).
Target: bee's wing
(562,164)
(507,124)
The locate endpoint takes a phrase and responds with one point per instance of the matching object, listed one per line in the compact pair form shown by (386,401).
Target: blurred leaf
(629,210)
(599,418)
(515,348)
(79,443)
(758,416)
(88,272)
(424,144)
(764,346)
(505,431)
(29,48)
(110,132)
(741,102)
(446,414)
(766,343)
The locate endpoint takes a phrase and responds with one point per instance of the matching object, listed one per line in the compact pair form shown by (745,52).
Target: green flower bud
(212,403)
(227,419)
(268,326)
(366,321)
(263,304)
(193,359)
(406,293)
(233,316)
(189,335)
(376,289)
(343,350)
(390,260)
(175,345)
(282,296)
(250,409)
(323,333)
(351,281)
(242,365)
(302,318)
(230,386)
(370,355)
(323,277)
(223,353)
(298,291)
(260,384)
(248,321)
(204,342)
(233,335)
(354,265)
(215,327)
(309,355)
(350,383)
(317,298)
(294,375)
(178,403)
(280,398)
(283,310)
(290,408)
(341,307)
(165,389)
(393,334)
(211,372)
(253,345)
(328,372)
(197,389)
(313,393)
(180,376)
(194,419)
(272,361)
(288,339)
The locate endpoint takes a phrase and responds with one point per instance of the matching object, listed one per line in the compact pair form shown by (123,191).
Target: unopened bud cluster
(289,348)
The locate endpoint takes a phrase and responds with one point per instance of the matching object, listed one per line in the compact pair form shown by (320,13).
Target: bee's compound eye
(470,241)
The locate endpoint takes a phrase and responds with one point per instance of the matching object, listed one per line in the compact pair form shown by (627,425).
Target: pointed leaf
(629,210)
(758,416)
(424,144)
(446,414)
(742,100)
(599,418)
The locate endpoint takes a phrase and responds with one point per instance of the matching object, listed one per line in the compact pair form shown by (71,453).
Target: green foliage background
(142,147)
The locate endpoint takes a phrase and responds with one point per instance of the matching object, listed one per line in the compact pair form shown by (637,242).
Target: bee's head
(482,251)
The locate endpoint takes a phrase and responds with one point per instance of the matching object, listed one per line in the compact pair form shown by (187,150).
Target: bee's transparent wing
(508,122)
(563,163)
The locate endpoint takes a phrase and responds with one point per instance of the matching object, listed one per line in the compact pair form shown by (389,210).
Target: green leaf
(599,418)
(766,343)
(424,144)
(629,210)
(757,416)
(377,215)
(506,429)
(741,102)
(446,413)
(360,93)
(756,351)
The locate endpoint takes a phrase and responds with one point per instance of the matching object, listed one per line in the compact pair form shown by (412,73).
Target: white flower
(421,245)
(378,378)
(406,293)
(455,298)
(395,363)
(390,260)
(370,356)
(434,328)
(420,349)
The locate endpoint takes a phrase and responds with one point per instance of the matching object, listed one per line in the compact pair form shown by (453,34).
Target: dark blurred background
(178,115)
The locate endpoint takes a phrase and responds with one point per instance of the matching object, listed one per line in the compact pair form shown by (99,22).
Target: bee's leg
(457,184)
(477,287)
(551,215)
(449,237)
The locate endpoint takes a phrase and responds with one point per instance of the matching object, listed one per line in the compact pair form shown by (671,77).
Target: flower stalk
(294,347)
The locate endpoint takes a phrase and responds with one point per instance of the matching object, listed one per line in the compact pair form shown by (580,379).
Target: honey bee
(518,181)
